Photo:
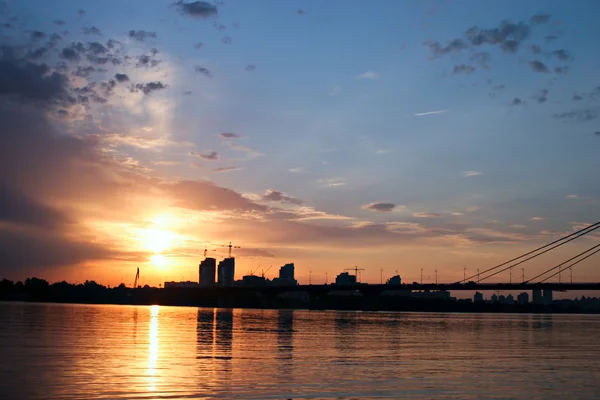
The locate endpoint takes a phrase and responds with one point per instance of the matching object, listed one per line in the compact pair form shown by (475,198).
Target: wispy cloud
(468,174)
(226,169)
(296,169)
(381,207)
(368,75)
(518,226)
(332,182)
(430,113)
(335,91)
(427,215)
(537,218)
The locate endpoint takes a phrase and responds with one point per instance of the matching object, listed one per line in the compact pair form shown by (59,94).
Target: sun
(157,240)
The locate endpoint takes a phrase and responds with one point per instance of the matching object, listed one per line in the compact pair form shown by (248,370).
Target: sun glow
(157,240)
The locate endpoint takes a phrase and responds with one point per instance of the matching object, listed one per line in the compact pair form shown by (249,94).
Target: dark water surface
(51,351)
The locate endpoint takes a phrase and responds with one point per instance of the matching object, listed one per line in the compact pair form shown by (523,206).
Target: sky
(391,135)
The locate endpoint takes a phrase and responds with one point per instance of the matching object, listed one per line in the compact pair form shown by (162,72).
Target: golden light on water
(152,348)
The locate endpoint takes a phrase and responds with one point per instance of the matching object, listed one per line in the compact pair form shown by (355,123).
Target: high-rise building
(547,297)
(226,272)
(345,279)
(523,298)
(207,270)
(536,295)
(287,271)
(478,297)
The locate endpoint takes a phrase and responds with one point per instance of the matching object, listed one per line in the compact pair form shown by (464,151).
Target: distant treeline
(90,292)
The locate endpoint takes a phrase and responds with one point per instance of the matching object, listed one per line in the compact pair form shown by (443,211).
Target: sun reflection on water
(152,348)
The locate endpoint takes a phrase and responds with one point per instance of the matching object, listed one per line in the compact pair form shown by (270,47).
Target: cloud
(453,46)
(196,9)
(578,115)
(468,174)
(335,91)
(427,215)
(577,97)
(542,96)
(213,155)
(562,54)
(300,12)
(538,66)
(17,208)
(381,207)
(273,195)
(31,81)
(332,182)
(250,67)
(226,40)
(430,113)
(561,70)
(539,19)
(229,135)
(537,218)
(92,30)
(141,35)
(516,102)
(37,35)
(296,169)
(206,196)
(198,45)
(535,48)
(70,54)
(121,77)
(518,226)
(238,147)
(203,71)
(150,87)
(226,169)
(368,75)
(463,69)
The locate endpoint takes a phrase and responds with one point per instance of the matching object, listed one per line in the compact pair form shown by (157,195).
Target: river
(65,351)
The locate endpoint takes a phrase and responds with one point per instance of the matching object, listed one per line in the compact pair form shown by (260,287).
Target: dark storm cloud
(141,35)
(578,115)
(562,54)
(196,9)
(250,67)
(538,66)
(37,53)
(91,30)
(516,102)
(97,48)
(17,208)
(213,155)
(38,35)
(229,135)
(439,50)
(203,71)
(121,77)
(150,87)
(463,69)
(226,40)
(542,96)
(539,19)
(274,195)
(31,81)
(381,207)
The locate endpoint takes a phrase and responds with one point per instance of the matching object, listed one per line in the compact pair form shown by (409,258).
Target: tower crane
(264,272)
(355,269)
(230,247)
(137,278)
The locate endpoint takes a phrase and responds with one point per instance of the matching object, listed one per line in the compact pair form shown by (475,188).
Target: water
(52,351)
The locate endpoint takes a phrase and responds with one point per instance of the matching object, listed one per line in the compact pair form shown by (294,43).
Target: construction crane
(252,271)
(137,278)
(355,269)
(230,247)
(264,272)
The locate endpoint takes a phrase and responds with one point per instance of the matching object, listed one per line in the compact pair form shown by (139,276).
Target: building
(186,284)
(478,297)
(253,280)
(494,298)
(510,299)
(226,272)
(394,280)
(286,276)
(207,271)
(345,279)
(523,298)
(547,297)
(536,294)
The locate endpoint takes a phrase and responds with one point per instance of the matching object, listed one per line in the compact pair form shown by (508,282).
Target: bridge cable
(596,225)
(567,267)
(543,252)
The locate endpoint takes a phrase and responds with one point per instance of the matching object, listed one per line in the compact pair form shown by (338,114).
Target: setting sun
(156,240)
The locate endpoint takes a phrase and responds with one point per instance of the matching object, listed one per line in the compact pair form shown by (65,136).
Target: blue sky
(342,104)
